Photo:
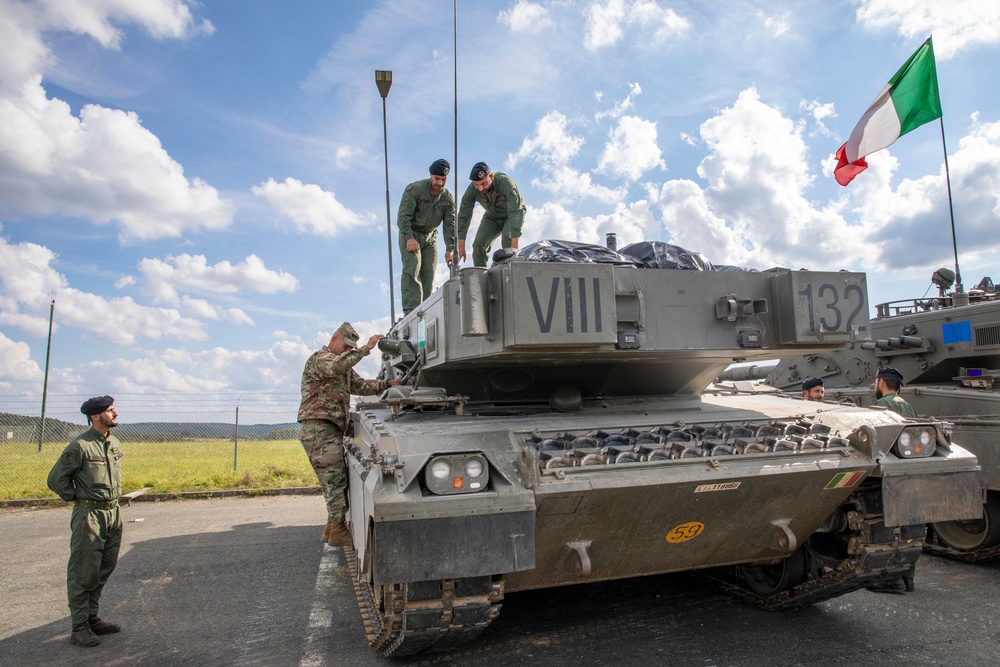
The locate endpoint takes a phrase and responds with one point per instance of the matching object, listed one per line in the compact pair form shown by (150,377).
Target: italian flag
(909,100)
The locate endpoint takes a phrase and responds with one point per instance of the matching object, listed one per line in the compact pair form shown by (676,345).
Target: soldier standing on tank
(88,473)
(425,205)
(328,381)
(503,213)
(887,384)
(812,389)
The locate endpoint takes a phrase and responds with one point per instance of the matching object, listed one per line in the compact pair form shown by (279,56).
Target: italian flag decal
(845,479)
(909,100)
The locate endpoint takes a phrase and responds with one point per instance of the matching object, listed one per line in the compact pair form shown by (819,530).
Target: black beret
(440,167)
(812,382)
(890,373)
(479,171)
(96,405)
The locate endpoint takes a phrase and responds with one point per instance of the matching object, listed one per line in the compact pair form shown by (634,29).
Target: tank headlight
(440,469)
(916,442)
(474,468)
(457,473)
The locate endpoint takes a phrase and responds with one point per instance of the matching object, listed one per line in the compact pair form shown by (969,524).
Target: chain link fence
(172,443)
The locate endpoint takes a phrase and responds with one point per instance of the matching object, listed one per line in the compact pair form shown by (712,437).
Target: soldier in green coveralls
(424,206)
(328,380)
(88,473)
(503,213)
(887,384)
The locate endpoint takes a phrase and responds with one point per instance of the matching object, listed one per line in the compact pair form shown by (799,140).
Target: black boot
(99,627)
(82,635)
(908,583)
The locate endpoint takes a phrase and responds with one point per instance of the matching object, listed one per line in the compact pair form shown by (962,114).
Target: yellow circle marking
(685,531)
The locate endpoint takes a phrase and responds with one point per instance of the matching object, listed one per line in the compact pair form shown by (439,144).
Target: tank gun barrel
(742,373)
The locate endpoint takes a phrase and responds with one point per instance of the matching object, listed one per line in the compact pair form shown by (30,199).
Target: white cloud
(28,282)
(631,150)
(619,108)
(551,145)
(568,185)
(16,363)
(525,16)
(345,156)
(820,114)
(22,25)
(606,22)
(163,278)
(103,166)
(956,26)
(309,207)
(911,223)
(775,25)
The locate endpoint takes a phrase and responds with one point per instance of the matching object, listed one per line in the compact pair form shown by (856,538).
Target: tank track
(409,626)
(874,554)
(935,547)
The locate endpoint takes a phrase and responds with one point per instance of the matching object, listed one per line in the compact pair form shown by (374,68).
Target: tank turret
(559,425)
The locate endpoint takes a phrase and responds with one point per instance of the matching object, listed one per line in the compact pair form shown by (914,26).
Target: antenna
(454,170)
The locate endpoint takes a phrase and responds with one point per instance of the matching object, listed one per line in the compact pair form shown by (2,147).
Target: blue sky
(201,186)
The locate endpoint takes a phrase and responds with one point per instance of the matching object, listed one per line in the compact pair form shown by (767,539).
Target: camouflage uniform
(503,216)
(896,403)
(89,473)
(420,213)
(328,381)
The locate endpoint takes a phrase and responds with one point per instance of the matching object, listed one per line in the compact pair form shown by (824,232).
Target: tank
(948,349)
(559,425)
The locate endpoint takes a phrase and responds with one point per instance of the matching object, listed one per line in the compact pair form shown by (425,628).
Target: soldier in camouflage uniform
(503,215)
(328,381)
(425,205)
(88,473)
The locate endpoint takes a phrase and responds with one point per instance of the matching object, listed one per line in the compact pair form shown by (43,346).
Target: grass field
(169,467)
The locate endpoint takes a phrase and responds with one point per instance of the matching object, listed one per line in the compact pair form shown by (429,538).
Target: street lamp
(383,80)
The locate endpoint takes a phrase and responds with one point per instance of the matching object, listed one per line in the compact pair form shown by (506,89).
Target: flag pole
(454,169)
(959,289)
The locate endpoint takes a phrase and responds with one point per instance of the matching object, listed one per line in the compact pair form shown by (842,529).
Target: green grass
(169,467)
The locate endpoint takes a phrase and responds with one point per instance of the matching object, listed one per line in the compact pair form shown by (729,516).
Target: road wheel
(765,580)
(974,534)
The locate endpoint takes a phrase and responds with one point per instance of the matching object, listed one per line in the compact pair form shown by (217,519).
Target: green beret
(96,405)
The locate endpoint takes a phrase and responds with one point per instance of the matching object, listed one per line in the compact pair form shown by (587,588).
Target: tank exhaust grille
(987,336)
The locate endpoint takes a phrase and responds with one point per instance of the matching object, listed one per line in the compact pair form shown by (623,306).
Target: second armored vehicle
(556,429)
(948,349)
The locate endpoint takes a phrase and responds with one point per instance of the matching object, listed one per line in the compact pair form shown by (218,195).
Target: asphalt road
(245,581)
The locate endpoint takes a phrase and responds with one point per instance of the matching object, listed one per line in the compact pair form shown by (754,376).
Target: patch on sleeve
(68,457)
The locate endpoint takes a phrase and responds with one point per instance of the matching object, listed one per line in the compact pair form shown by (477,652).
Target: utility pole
(383,80)
(45,382)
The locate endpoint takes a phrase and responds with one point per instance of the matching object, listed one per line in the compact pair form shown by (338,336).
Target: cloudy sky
(200,186)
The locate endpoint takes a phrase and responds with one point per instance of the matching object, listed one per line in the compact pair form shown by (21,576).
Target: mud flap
(928,498)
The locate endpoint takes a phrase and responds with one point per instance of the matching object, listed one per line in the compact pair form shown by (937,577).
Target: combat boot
(908,582)
(82,636)
(340,536)
(99,627)
(326,532)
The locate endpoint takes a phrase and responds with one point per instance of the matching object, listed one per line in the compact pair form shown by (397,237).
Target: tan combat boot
(82,635)
(326,532)
(339,536)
